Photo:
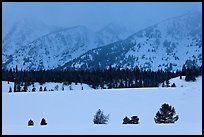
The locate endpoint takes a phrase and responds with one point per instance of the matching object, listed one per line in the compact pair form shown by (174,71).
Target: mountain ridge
(154,47)
(170,45)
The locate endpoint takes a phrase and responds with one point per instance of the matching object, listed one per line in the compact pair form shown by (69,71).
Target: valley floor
(72,112)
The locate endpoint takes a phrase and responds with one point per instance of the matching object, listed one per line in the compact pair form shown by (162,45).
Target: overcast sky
(95,15)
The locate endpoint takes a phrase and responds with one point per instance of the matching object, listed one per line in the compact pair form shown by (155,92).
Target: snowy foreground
(72,112)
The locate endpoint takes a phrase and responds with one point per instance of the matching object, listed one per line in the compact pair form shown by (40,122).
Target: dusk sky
(95,15)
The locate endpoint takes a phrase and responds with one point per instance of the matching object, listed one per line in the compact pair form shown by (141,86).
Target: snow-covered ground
(72,112)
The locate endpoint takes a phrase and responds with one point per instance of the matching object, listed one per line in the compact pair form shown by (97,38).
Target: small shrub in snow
(30,123)
(100,118)
(43,122)
(133,120)
(166,114)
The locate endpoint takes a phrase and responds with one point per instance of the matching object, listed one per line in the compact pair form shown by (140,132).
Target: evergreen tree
(163,84)
(10,75)
(56,87)
(189,75)
(14,89)
(70,87)
(40,88)
(126,120)
(10,89)
(166,114)
(18,87)
(33,89)
(25,87)
(194,71)
(43,122)
(45,89)
(100,118)
(134,120)
(62,87)
(200,70)
(167,83)
(184,70)
(30,123)
(173,85)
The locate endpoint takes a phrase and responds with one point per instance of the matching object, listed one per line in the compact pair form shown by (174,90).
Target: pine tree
(189,75)
(33,89)
(167,83)
(184,70)
(10,89)
(70,87)
(166,114)
(30,123)
(200,70)
(45,89)
(134,120)
(40,88)
(126,120)
(173,85)
(14,89)
(43,122)
(25,87)
(100,118)
(18,88)
(163,84)
(56,87)
(10,75)
(62,87)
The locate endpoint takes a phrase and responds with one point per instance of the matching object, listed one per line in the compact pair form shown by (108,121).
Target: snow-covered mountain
(112,32)
(57,48)
(167,45)
(21,33)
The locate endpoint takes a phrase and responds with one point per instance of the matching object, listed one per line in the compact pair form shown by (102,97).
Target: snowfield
(72,111)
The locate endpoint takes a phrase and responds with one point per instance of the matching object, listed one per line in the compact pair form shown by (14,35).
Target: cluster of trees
(165,115)
(108,78)
(133,120)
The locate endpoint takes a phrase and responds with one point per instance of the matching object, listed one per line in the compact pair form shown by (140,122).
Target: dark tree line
(108,78)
